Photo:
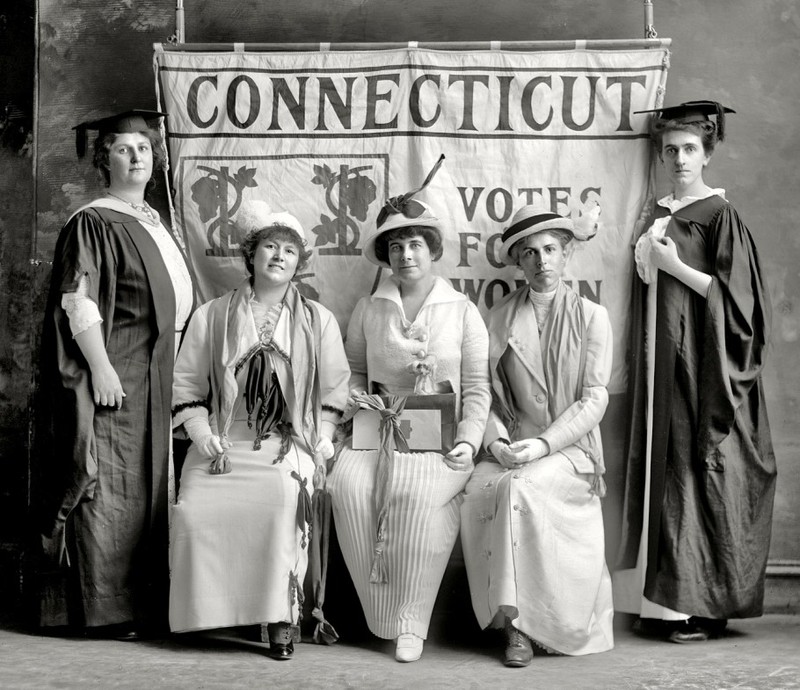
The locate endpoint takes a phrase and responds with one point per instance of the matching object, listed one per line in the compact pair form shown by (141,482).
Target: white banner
(328,136)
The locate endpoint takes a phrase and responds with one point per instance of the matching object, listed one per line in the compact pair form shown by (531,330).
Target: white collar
(673,204)
(441,292)
(117,205)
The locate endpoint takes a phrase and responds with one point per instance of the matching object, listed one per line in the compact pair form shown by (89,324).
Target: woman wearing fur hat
(260,383)
(531,524)
(415,334)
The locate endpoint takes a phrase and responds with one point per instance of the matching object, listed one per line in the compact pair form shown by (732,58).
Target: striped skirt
(421,529)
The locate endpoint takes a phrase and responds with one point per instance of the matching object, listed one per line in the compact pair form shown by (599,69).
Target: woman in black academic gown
(120,292)
(701,478)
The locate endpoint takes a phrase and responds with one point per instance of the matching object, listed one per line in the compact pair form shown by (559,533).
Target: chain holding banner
(328,136)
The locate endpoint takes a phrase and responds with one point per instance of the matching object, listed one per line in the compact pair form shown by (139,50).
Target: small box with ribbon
(425,422)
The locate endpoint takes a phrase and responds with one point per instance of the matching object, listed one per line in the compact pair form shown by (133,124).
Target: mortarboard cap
(694,111)
(129,121)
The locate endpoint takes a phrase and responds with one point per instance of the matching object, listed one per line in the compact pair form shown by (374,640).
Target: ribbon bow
(263,396)
(391,437)
(405,204)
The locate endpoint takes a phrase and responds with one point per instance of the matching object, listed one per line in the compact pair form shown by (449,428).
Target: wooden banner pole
(600,44)
(649,29)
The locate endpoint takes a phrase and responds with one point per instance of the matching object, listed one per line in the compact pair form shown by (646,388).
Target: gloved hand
(208,444)
(511,455)
(460,458)
(323,451)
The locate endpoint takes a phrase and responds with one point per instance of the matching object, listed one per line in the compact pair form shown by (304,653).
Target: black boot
(280,641)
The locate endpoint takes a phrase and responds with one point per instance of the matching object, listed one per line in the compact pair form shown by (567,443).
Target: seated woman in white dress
(260,383)
(531,526)
(397,517)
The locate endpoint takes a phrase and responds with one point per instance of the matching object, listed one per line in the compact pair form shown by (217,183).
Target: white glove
(460,457)
(498,450)
(208,443)
(522,452)
(323,450)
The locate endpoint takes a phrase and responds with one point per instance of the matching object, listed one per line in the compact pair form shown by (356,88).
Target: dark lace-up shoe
(519,651)
(697,629)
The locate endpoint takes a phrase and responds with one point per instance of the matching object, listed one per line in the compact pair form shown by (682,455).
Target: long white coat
(533,535)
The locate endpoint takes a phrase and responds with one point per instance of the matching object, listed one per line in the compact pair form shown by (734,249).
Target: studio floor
(756,653)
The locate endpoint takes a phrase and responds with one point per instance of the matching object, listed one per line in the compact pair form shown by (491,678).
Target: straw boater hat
(532,219)
(402,212)
(255,214)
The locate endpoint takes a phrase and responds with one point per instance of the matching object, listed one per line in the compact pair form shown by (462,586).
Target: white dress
(425,494)
(239,544)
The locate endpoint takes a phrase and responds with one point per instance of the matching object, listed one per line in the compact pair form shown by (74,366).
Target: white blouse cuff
(82,312)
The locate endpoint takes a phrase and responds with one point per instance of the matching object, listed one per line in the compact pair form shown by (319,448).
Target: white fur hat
(255,214)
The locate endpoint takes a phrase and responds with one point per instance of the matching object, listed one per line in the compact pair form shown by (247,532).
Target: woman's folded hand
(460,458)
(526,450)
(511,455)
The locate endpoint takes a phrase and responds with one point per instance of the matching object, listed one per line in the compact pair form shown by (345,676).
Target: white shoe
(409,647)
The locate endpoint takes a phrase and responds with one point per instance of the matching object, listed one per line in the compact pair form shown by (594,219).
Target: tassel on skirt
(422,525)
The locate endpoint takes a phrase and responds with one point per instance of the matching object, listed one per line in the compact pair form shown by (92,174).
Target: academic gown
(713,467)
(100,474)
